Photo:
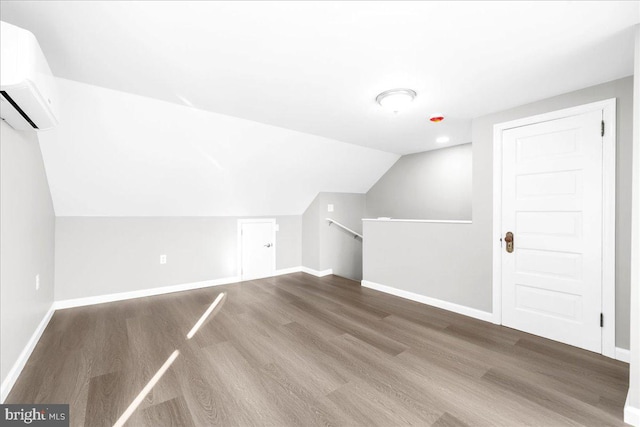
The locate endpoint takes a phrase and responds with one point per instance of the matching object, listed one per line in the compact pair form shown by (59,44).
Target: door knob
(509,240)
(268,245)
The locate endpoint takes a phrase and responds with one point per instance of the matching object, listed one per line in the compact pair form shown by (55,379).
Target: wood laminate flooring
(297,350)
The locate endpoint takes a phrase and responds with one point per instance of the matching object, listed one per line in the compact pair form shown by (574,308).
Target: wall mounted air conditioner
(27,88)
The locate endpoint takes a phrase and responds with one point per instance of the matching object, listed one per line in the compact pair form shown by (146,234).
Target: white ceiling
(118,154)
(316,67)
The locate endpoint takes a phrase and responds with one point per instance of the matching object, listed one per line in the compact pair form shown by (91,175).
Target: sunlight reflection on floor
(167,364)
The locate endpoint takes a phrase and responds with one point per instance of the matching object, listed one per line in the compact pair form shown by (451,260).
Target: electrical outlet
(163,259)
(329,208)
(37,282)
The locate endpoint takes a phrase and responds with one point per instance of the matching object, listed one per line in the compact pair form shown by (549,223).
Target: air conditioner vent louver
(18,109)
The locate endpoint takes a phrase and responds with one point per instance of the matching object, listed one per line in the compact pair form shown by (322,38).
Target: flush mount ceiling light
(442,139)
(396,99)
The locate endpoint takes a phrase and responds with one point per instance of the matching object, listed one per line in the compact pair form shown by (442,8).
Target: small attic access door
(256,248)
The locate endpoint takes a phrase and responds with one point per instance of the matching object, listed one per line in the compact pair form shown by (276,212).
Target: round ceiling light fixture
(396,99)
(436,118)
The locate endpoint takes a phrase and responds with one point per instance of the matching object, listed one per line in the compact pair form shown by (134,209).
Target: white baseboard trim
(622,354)
(280,272)
(456,308)
(631,414)
(283,271)
(317,273)
(120,296)
(17,367)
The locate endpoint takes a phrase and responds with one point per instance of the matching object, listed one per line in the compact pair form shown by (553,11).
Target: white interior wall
(106,255)
(311,235)
(329,247)
(430,185)
(163,178)
(117,154)
(26,247)
(632,406)
(339,250)
(453,262)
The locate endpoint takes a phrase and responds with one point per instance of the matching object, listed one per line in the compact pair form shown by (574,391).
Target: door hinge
(602,128)
(601,320)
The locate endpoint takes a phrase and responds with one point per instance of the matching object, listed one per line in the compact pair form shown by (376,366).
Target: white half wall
(428,259)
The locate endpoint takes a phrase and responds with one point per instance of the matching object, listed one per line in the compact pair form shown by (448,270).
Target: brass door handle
(509,240)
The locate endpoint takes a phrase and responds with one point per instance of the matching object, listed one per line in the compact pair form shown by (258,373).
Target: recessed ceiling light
(436,118)
(442,139)
(396,99)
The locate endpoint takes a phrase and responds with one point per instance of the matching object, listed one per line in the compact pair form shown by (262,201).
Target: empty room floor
(301,350)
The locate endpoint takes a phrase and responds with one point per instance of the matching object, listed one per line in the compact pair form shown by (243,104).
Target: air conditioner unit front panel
(29,95)
(21,107)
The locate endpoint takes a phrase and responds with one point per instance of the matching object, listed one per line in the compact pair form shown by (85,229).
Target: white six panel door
(257,249)
(552,202)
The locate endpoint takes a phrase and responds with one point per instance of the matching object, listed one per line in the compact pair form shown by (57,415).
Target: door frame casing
(242,221)
(608,107)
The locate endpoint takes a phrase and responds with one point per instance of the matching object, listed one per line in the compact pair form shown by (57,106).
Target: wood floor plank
(170,413)
(448,420)
(367,405)
(297,403)
(300,350)
(563,405)
(466,397)
(205,394)
(320,377)
(105,400)
(148,349)
(465,358)
(246,386)
(111,344)
(356,329)
(375,367)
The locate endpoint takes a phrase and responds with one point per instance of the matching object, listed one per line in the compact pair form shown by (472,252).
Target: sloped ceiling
(252,108)
(316,67)
(118,154)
